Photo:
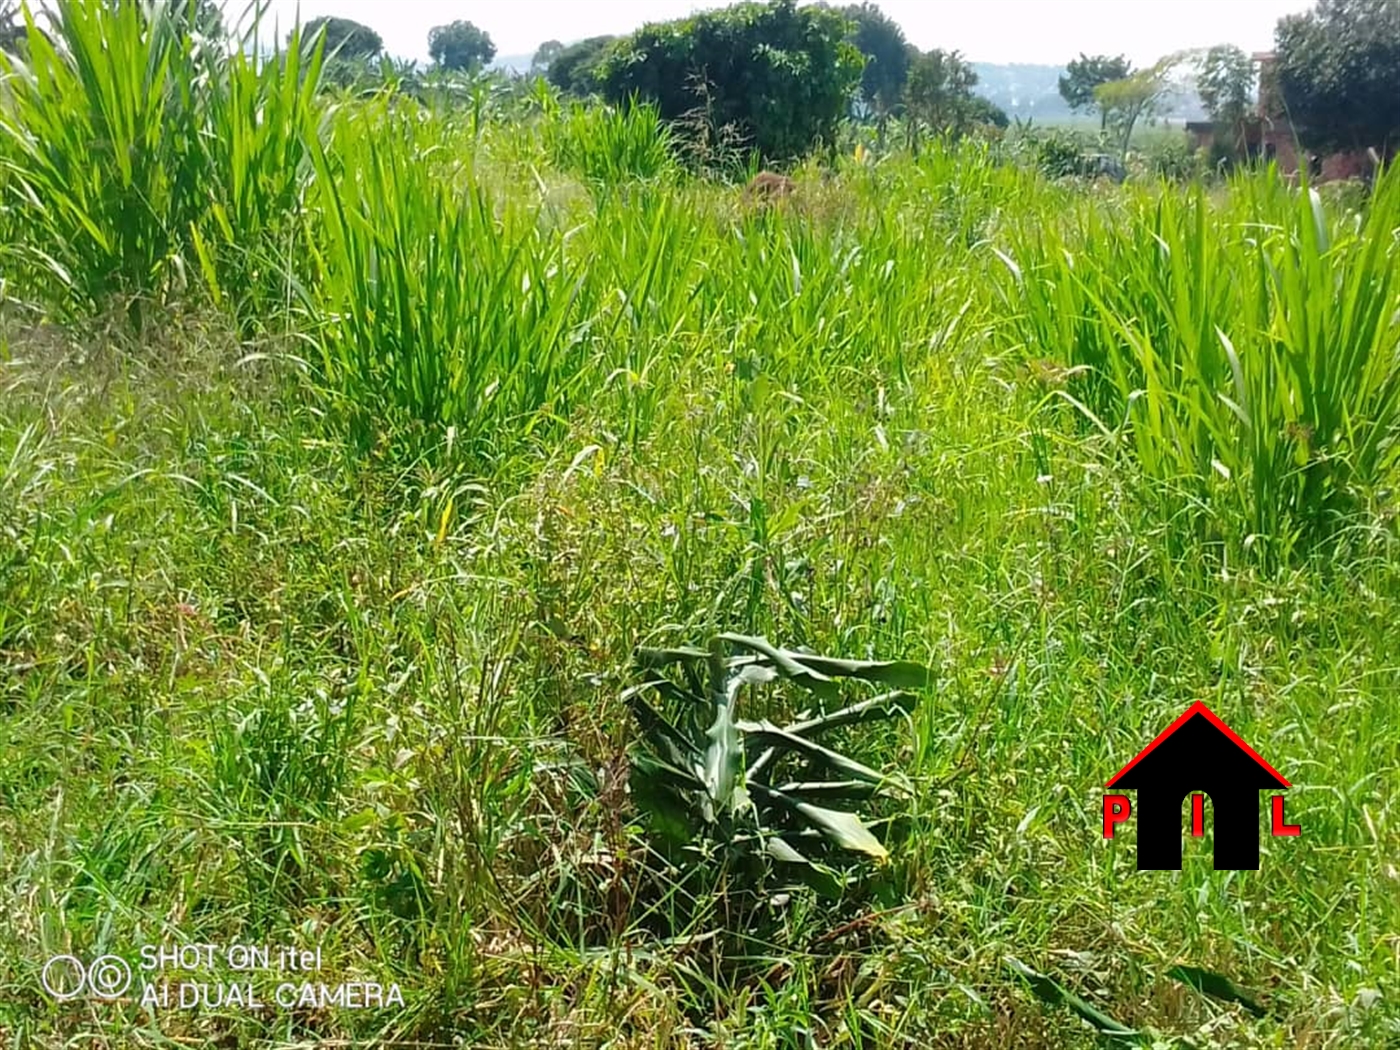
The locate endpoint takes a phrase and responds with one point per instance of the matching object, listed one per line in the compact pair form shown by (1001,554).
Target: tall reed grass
(141,155)
(1245,349)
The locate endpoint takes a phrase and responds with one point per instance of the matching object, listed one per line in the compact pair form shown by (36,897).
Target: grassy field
(348,450)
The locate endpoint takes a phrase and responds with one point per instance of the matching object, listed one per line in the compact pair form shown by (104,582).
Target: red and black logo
(1196,753)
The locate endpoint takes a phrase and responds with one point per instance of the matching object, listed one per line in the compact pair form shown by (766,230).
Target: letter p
(1116,809)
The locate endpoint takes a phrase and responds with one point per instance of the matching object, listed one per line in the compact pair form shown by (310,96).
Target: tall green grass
(144,159)
(1245,349)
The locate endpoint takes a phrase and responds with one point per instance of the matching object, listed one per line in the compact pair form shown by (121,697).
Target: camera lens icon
(65,977)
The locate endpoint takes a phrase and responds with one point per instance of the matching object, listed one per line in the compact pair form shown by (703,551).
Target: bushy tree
(574,69)
(1085,75)
(460,45)
(881,40)
(939,90)
(1339,73)
(781,75)
(984,111)
(1225,81)
(1135,97)
(545,55)
(345,37)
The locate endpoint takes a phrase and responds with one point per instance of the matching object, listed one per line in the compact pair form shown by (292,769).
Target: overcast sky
(1041,31)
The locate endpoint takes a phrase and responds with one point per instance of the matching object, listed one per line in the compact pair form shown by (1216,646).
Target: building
(1268,135)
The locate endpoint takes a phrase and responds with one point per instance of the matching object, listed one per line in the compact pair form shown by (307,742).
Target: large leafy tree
(1339,73)
(939,90)
(881,41)
(1225,81)
(1134,98)
(345,37)
(781,75)
(575,68)
(1085,75)
(460,45)
(544,57)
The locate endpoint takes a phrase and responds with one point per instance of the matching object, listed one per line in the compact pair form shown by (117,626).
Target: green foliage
(880,39)
(1137,97)
(939,91)
(778,73)
(574,69)
(1225,82)
(609,145)
(544,57)
(1085,75)
(1339,73)
(985,112)
(345,38)
(148,159)
(460,45)
(710,781)
(1246,359)
(410,335)
(1174,159)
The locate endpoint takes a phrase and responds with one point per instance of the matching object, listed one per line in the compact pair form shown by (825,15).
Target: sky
(1036,31)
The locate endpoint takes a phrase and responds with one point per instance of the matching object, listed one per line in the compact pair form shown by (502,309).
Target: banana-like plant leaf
(841,829)
(779,849)
(787,664)
(748,674)
(724,763)
(654,658)
(816,672)
(839,790)
(1217,986)
(1050,991)
(877,708)
(666,738)
(768,733)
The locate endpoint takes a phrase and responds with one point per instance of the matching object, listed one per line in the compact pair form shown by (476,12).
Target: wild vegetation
(421,514)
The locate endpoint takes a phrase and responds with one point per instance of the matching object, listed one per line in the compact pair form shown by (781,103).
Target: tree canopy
(1225,82)
(781,75)
(880,39)
(460,45)
(544,56)
(1135,97)
(575,68)
(939,90)
(1085,75)
(1339,73)
(345,37)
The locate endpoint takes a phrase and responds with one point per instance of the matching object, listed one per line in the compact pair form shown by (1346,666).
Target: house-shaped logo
(1196,753)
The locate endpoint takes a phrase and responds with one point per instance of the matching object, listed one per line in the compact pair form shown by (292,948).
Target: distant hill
(1033,92)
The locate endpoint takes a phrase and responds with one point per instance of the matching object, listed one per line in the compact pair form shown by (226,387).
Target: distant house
(1267,134)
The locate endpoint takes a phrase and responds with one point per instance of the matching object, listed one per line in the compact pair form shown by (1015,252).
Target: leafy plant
(712,782)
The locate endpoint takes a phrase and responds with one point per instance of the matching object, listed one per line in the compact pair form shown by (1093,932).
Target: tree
(939,91)
(575,68)
(1225,81)
(345,38)
(984,111)
(1085,75)
(1339,73)
(544,57)
(886,52)
(779,74)
(460,45)
(1133,98)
